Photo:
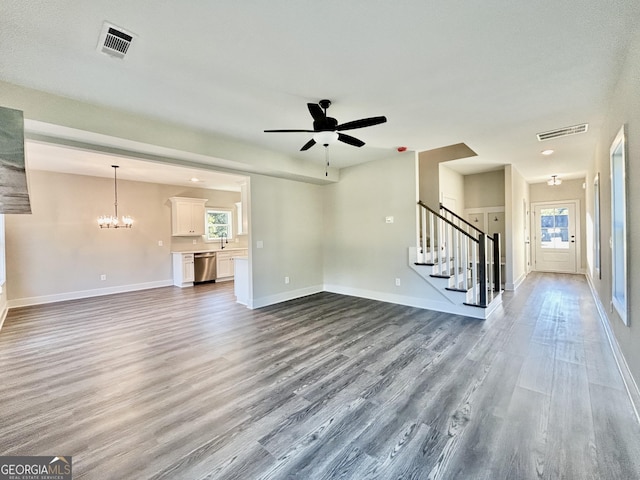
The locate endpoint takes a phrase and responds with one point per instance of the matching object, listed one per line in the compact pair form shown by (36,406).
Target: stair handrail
(449,222)
(487,273)
(488,237)
(442,207)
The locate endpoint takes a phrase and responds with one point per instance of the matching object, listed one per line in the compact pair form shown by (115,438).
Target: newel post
(497,263)
(482,267)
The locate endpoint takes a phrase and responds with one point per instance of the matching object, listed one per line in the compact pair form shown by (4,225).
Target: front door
(555,237)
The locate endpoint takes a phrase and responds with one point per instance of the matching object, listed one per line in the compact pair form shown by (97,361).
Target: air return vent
(563,132)
(114,41)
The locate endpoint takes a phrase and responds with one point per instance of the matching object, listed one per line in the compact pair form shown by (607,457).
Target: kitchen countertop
(202,250)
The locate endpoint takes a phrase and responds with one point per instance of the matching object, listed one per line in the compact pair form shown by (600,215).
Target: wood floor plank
(617,434)
(601,366)
(536,373)
(186,383)
(570,449)
(525,430)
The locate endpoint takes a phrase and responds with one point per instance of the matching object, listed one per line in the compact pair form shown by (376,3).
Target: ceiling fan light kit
(325,138)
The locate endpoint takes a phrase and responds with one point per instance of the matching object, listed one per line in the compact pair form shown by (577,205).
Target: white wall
(452,189)
(363,255)
(484,189)
(429,180)
(516,195)
(287,217)
(624,110)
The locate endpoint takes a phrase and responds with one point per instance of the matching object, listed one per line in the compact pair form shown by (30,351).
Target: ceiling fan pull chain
(326,157)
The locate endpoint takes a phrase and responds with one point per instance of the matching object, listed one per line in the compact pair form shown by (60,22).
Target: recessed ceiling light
(194,179)
(546,152)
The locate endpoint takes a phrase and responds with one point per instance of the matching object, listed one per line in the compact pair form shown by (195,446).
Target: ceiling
(490,74)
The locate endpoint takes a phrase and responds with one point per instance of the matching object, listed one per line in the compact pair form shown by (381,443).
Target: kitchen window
(218,224)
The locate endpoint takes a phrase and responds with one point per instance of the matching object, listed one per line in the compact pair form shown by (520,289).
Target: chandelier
(112,221)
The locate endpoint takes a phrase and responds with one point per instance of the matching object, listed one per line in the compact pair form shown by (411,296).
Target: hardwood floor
(185,384)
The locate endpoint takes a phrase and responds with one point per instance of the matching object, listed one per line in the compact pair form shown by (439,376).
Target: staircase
(459,260)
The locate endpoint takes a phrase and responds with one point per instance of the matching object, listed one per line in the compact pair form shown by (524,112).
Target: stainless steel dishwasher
(204,267)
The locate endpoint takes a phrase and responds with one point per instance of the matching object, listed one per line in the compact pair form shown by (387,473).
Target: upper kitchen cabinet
(187,216)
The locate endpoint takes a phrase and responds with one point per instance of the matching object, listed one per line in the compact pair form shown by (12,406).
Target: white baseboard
(512,287)
(416,302)
(3,314)
(627,378)
(4,308)
(61,297)
(284,296)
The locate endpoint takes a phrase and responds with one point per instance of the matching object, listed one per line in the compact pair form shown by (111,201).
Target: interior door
(555,237)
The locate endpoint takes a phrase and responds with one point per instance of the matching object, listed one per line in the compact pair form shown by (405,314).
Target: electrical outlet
(103,277)
(259,244)
(160,243)
(397,282)
(286,279)
(195,241)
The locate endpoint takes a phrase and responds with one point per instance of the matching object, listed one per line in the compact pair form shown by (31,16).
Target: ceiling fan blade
(288,131)
(350,140)
(308,145)
(363,122)
(315,111)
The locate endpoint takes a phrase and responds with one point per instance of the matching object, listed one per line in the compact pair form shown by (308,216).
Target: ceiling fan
(326,130)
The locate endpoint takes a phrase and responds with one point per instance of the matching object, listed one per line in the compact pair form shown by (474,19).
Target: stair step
(453,289)
(475,305)
(446,274)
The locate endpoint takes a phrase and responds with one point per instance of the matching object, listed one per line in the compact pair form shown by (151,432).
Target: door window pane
(554,228)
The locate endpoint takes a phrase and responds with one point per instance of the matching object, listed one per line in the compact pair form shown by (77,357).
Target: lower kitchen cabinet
(225,264)
(183,272)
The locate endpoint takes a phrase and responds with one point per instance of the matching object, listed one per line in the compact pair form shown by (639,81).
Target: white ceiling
(490,74)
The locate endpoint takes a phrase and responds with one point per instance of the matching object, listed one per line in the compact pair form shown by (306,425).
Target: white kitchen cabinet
(187,216)
(225,264)
(183,272)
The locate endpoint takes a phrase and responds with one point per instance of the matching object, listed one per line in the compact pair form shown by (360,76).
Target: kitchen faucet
(223,240)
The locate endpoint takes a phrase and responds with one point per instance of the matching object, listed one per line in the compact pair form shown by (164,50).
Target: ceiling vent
(563,132)
(114,41)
